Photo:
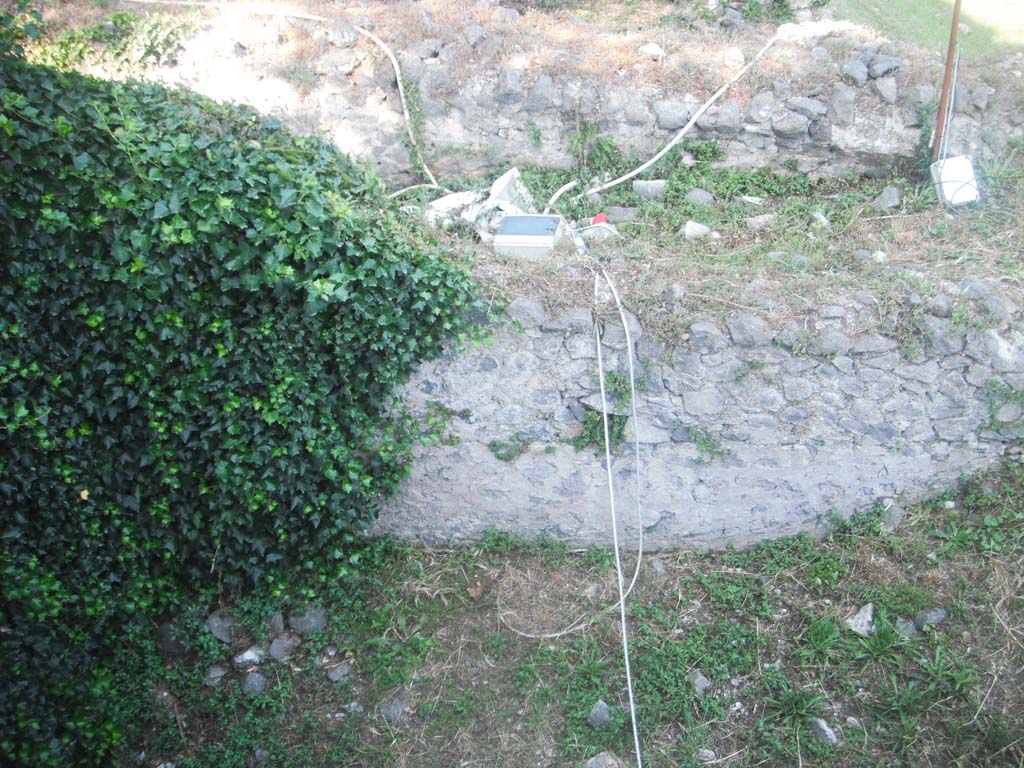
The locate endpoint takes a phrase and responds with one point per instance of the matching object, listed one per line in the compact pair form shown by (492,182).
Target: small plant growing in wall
(435,424)
(533,130)
(709,446)
(592,434)
(1005,405)
(510,449)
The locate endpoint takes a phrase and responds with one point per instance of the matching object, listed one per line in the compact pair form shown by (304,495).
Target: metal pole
(947,82)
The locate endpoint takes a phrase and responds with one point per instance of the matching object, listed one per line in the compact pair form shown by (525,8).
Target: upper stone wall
(827,98)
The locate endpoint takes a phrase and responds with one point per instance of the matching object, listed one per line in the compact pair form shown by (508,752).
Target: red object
(599,219)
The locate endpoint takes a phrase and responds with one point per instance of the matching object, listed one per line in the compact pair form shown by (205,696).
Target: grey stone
(509,89)
(790,125)
(938,306)
(529,313)
(761,107)
(474,34)
(600,716)
(659,567)
(276,624)
(873,343)
(797,390)
(822,732)
(988,346)
(889,198)
(312,618)
(694,230)
(809,108)
(977,287)
(504,15)
(757,223)
(650,190)
(705,755)
(653,51)
(856,72)
(930,618)
(943,337)
(883,65)
(343,34)
(842,107)
(618,213)
(426,49)
(675,294)
(635,112)
(748,330)
(572,321)
(886,89)
(821,131)
(862,622)
(697,196)
(214,675)
(707,336)
(393,709)
(254,684)
(700,683)
(831,341)
(997,309)
(646,433)
(220,624)
(729,119)
(905,628)
(339,672)
(672,115)
(542,96)
(250,657)
(893,515)
(169,642)
(283,646)
(1009,413)
(702,403)
(604,760)
(980,95)
(261,755)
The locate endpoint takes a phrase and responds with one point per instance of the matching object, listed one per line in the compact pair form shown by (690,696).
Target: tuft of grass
(592,434)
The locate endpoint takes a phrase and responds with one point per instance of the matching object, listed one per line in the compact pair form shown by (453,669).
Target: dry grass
(927,249)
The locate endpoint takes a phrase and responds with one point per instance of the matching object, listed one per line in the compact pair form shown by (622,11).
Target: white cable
(682,131)
(579,623)
(615,540)
(636,438)
(562,189)
(401,95)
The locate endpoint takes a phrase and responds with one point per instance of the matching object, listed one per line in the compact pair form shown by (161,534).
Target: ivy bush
(203,320)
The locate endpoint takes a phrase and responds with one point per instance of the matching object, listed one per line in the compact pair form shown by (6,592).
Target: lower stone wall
(747,431)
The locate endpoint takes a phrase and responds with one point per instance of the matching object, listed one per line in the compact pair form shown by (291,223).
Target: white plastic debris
(955,182)
(529,236)
(508,196)
(441,212)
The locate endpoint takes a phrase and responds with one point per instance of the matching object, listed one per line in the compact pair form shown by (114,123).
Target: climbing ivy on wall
(203,320)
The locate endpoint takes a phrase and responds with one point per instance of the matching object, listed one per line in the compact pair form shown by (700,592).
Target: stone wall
(827,98)
(747,431)
(844,106)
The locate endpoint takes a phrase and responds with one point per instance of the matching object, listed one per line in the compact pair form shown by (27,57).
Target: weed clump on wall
(202,322)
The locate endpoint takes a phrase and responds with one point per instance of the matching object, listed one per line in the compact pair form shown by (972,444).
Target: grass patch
(764,626)
(995,26)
